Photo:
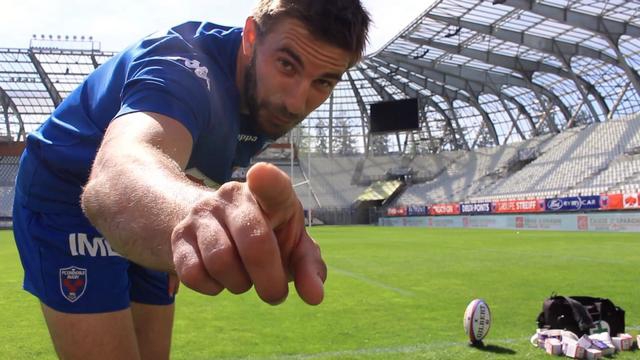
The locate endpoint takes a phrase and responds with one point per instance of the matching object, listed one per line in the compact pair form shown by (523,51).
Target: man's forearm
(135,197)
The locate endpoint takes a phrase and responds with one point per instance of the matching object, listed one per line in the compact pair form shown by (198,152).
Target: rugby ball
(477,320)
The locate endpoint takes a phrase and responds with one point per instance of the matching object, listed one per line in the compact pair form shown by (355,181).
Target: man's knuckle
(189,275)
(231,191)
(219,260)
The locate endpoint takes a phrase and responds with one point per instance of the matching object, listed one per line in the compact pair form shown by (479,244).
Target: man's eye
(325,84)
(285,65)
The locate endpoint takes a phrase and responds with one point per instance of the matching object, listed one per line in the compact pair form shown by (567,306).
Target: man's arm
(137,191)
(244,234)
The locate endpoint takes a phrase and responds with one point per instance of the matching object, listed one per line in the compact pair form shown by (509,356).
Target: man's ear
(249,34)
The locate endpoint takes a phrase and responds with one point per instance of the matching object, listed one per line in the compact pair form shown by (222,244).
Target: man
(104,211)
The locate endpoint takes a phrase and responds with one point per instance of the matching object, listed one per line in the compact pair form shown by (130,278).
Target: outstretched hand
(250,234)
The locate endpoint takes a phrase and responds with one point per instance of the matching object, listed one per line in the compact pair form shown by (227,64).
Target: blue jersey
(187,73)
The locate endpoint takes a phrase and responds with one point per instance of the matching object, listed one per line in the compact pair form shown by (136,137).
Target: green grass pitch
(392,293)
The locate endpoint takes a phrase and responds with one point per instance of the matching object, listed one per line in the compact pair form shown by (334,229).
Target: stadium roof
(34,81)
(485,72)
(493,72)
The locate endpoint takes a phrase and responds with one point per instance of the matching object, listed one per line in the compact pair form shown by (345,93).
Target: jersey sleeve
(174,86)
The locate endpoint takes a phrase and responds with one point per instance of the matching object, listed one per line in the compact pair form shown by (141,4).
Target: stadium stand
(573,162)
(331,180)
(465,173)
(377,168)
(584,160)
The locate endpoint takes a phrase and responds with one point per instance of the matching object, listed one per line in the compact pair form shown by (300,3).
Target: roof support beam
(7,103)
(438,88)
(468,78)
(522,110)
(422,102)
(422,107)
(597,24)
(546,117)
(514,122)
(413,93)
(94,61)
(53,92)
(331,125)
(539,43)
(524,67)
(546,45)
(364,114)
(454,116)
(485,118)
(618,100)
(464,84)
(583,93)
(631,73)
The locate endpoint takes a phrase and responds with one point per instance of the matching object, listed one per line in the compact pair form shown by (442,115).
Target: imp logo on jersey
(73,282)
(200,71)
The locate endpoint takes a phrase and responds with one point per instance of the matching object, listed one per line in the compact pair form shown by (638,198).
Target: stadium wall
(11,148)
(604,222)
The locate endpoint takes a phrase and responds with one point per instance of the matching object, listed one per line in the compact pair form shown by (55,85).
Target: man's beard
(254,106)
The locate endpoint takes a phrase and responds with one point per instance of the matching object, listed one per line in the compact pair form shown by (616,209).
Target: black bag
(581,315)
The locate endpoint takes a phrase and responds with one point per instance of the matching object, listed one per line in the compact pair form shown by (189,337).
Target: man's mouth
(280,120)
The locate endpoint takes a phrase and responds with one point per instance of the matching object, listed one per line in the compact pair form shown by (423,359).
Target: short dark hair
(343,23)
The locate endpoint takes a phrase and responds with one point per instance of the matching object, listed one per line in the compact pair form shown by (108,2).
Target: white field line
(370,281)
(554,255)
(405,349)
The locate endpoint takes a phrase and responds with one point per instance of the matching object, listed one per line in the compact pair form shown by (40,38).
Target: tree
(484,139)
(322,141)
(379,144)
(344,143)
(583,117)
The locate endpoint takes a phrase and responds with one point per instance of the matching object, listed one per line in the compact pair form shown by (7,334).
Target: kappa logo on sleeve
(200,71)
(247,138)
(73,282)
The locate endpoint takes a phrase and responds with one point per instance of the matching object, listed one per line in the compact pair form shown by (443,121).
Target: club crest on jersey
(73,282)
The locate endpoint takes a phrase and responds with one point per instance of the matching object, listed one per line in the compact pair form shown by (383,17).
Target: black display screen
(396,115)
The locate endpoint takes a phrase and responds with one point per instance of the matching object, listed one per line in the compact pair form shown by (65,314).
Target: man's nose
(296,99)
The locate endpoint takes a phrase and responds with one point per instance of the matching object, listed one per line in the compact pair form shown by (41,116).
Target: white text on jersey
(81,245)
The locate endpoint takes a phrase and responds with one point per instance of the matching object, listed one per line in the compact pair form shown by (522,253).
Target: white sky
(117,23)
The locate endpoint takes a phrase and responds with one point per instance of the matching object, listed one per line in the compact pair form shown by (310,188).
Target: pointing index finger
(272,189)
